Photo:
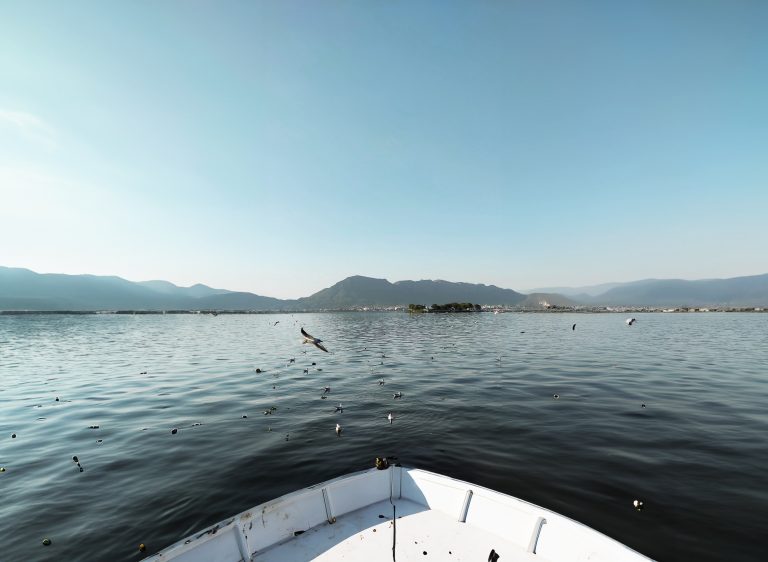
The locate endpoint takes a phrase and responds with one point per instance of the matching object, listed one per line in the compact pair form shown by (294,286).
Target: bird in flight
(313,340)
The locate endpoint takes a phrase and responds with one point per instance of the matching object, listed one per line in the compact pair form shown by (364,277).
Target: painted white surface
(350,518)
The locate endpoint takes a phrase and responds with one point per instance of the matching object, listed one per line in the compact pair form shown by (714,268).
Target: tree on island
(455,307)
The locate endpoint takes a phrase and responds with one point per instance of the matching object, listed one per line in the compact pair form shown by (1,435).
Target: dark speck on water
(696,458)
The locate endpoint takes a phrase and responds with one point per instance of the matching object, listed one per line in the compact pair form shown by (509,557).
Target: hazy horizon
(277,148)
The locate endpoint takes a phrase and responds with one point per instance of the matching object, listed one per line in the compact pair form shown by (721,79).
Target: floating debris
(47,542)
(2,469)
(338,430)
(638,505)
(99,441)
(555,396)
(93,427)
(13,436)
(642,405)
(244,416)
(77,462)
(142,547)
(174,431)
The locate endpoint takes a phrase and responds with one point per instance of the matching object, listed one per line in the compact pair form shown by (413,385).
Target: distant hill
(538,300)
(737,291)
(367,291)
(22,289)
(576,292)
(195,291)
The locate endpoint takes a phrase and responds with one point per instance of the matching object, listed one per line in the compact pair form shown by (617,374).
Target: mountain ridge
(24,289)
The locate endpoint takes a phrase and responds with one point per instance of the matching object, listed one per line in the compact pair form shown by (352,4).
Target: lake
(478,404)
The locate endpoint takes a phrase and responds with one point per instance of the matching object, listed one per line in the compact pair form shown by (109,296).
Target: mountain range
(23,289)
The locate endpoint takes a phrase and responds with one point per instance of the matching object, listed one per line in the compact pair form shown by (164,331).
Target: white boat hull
(437,518)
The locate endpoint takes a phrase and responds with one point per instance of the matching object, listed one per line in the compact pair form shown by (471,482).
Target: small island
(450,307)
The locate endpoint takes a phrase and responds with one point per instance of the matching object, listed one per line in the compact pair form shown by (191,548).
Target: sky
(280,146)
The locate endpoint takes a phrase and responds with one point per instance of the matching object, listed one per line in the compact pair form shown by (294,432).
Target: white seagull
(630,321)
(313,340)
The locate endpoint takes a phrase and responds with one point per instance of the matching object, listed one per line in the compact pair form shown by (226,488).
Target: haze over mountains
(22,289)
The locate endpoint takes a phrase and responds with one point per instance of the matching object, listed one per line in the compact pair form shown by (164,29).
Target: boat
(396,513)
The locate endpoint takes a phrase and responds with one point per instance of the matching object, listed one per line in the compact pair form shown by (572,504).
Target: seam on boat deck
(363,535)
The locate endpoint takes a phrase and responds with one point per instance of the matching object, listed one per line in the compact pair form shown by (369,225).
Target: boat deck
(422,534)
(437,517)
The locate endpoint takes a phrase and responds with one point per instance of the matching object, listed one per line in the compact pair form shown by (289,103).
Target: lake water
(696,454)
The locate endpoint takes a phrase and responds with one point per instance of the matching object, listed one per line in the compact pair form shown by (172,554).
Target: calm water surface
(696,455)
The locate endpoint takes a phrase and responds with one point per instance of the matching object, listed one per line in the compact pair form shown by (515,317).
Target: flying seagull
(630,321)
(313,340)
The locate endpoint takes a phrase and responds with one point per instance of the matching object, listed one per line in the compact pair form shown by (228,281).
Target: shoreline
(558,310)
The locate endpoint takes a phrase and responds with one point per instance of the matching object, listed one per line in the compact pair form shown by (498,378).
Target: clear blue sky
(280,146)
